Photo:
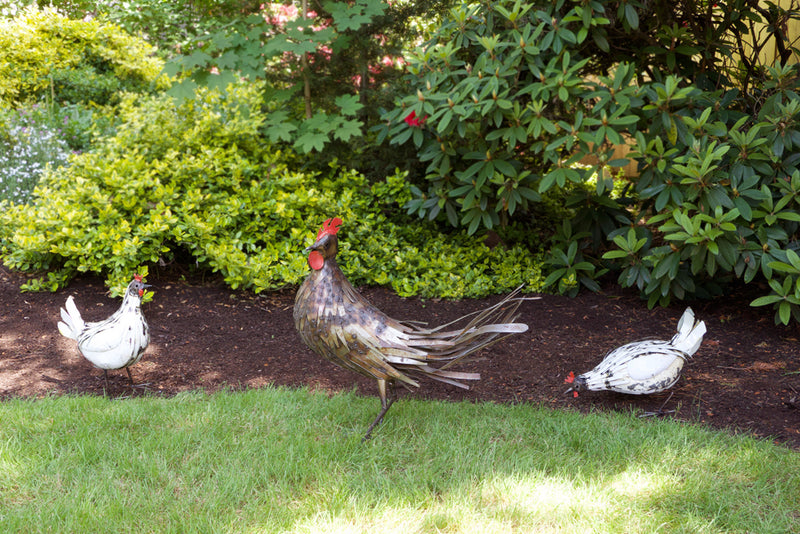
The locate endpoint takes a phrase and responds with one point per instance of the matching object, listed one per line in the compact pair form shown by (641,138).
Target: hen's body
(114,343)
(336,322)
(644,367)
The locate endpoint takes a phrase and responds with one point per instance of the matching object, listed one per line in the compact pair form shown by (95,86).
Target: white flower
(24,155)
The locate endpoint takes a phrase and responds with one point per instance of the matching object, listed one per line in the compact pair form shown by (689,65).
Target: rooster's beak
(311,247)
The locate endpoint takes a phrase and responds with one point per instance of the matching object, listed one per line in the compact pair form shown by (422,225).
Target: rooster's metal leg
(105,375)
(129,375)
(385,405)
(384,408)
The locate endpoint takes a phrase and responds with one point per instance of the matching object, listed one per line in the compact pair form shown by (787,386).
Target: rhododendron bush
(510,103)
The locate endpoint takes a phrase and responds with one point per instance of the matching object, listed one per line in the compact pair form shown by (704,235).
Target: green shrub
(328,76)
(716,203)
(721,192)
(198,179)
(500,109)
(78,61)
(503,107)
(166,24)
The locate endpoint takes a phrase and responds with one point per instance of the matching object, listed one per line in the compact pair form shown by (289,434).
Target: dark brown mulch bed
(745,377)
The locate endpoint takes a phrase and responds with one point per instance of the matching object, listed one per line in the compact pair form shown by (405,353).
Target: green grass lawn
(277,460)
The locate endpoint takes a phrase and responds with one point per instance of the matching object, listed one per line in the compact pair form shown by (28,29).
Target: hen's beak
(141,289)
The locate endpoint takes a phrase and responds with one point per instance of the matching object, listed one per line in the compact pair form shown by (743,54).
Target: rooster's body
(115,343)
(336,322)
(644,367)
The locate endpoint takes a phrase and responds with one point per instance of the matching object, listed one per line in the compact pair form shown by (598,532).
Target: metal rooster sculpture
(644,367)
(116,342)
(336,322)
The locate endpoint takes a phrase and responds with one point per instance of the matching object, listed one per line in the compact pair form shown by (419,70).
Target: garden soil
(744,378)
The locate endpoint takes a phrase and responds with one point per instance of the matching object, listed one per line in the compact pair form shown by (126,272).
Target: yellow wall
(768,54)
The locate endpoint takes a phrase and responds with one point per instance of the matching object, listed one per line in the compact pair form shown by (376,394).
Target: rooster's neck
(330,271)
(326,282)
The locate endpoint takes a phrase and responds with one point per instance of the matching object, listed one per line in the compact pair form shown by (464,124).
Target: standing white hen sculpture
(644,367)
(116,343)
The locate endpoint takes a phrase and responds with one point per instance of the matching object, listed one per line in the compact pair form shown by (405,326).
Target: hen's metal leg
(143,386)
(661,410)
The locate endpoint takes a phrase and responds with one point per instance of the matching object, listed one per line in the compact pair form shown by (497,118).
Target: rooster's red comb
(137,277)
(330,227)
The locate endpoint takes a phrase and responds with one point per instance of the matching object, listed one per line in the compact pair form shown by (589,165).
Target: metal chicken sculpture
(336,322)
(115,343)
(644,367)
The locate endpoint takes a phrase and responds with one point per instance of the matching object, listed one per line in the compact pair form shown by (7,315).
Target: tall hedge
(45,54)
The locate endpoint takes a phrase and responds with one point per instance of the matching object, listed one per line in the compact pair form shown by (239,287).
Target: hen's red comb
(137,277)
(570,378)
(330,227)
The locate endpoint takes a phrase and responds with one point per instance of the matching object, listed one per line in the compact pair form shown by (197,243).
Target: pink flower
(279,14)
(412,120)
(325,51)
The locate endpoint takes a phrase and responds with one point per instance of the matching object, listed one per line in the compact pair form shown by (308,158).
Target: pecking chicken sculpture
(115,343)
(336,322)
(644,367)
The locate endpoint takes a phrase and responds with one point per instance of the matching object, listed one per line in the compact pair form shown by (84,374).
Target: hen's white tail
(71,323)
(689,335)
